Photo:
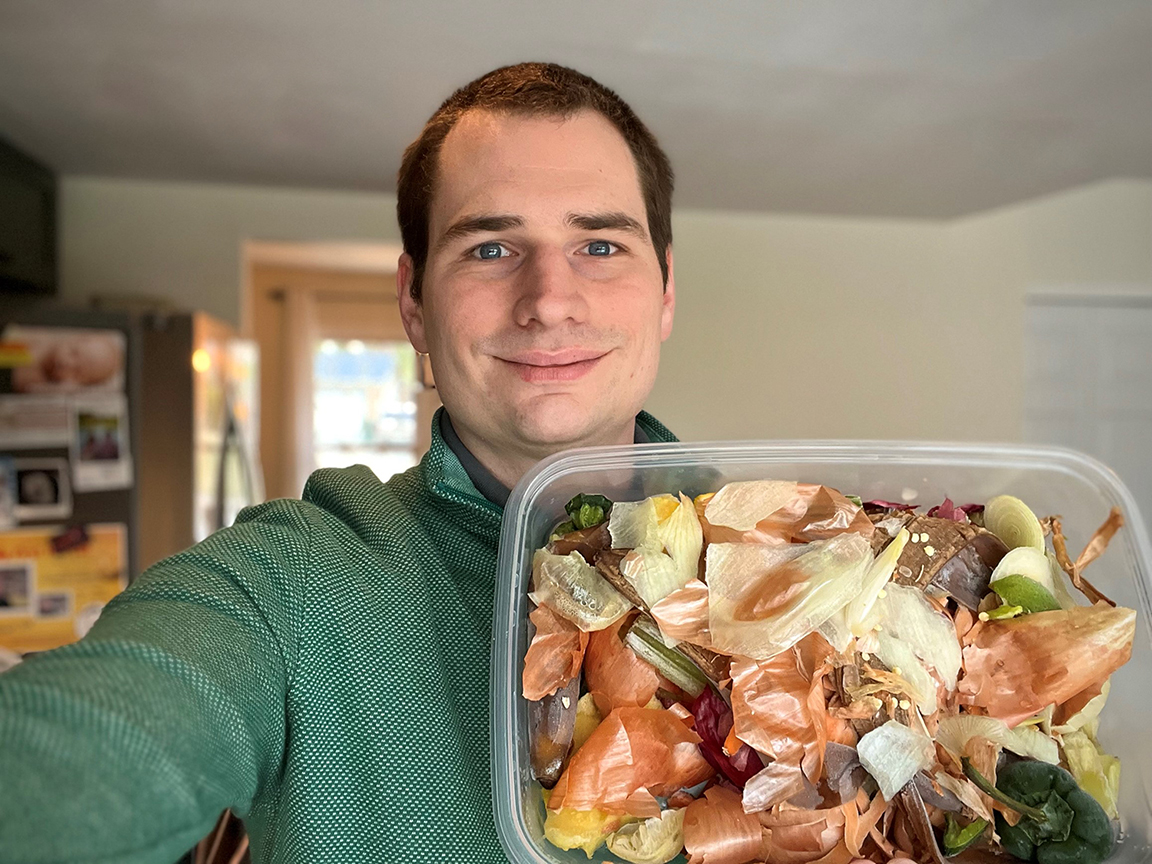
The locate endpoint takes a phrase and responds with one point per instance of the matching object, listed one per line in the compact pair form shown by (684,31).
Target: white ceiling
(864,107)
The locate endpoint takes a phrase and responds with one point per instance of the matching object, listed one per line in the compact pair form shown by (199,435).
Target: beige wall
(794,327)
(787,326)
(181,242)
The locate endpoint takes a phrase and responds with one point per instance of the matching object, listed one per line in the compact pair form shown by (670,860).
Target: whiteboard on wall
(1088,380)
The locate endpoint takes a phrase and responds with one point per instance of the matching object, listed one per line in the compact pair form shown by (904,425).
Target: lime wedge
(1030,595)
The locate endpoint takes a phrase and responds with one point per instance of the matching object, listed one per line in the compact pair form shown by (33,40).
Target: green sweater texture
(321,668)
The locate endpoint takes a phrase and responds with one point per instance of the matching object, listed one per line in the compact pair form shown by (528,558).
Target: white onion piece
(653,841)
(893,754)
(906,614)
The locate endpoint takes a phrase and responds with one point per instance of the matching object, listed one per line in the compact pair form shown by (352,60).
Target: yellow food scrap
(587,719)
(582,829)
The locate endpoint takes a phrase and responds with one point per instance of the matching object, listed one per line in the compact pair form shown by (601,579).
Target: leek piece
(644,638)
(1010,519)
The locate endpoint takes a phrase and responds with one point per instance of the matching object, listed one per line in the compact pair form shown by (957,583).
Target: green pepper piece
(562,529)
(588,510)
(1062,823)
(959,837)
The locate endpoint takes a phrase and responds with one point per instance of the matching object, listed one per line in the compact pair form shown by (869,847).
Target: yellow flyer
(54,581)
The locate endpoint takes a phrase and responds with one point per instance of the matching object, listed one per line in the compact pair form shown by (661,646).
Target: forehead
(540,168)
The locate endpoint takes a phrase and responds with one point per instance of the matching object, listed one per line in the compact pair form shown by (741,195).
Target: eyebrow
(615,221)
(469,225)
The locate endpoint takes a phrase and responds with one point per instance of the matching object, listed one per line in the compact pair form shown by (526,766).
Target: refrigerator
(125,435)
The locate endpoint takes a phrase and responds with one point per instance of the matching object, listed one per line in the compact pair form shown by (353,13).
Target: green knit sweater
(321,667)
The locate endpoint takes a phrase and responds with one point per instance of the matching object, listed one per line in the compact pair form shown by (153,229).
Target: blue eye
(488,251)
(600,248)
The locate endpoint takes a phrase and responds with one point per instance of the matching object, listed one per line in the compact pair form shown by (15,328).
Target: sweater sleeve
(127,745)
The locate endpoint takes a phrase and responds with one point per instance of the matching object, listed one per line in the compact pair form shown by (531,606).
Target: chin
(554,425)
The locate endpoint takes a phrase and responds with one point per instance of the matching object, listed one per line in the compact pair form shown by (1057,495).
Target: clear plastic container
(1051,480)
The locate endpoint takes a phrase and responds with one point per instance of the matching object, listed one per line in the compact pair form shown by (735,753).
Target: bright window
(364,405)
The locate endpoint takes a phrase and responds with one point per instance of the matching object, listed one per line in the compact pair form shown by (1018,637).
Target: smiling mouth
(542,367)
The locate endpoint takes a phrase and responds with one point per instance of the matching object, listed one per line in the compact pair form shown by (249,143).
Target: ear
(411,310)
(669,301)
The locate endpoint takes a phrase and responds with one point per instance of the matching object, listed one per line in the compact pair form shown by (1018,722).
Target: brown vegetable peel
(1092,551)
(554,655)
(718,831)
(614,673)
(1014,668)
(632,756)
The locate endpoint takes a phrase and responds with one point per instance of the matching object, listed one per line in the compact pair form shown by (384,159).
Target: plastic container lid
(1050,480)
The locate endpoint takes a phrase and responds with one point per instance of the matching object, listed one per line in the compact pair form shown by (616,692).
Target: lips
(549,366)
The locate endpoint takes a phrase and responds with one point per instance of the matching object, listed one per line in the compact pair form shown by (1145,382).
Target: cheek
(460,319)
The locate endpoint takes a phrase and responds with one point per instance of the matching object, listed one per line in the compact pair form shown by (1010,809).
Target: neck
(508,465)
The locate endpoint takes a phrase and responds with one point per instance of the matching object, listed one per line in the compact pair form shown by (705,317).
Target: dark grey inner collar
(483,479)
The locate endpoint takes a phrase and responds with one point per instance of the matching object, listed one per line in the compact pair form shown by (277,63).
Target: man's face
(543,306)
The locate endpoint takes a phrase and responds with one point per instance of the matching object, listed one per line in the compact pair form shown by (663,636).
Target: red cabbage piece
(948,510)
(713,723)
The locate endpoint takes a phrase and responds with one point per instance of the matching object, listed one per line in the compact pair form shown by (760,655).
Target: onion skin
(554,655)
(632,756)
(1014,668)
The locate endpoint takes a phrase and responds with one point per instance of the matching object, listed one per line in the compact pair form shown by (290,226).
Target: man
(321,667)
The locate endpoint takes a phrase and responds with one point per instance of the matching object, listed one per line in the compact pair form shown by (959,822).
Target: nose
(548,291)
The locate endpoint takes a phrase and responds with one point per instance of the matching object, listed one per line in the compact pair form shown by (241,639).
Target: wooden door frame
(340,257)
(287,468)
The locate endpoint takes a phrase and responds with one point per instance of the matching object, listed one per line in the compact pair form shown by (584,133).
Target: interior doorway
(340,384)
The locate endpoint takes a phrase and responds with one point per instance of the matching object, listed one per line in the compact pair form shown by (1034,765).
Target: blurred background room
(893,220)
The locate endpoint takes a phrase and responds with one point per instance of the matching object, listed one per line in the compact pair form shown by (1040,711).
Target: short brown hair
(540,89)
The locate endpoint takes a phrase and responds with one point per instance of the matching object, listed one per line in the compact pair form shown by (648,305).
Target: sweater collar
(484,480)
(462,490)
